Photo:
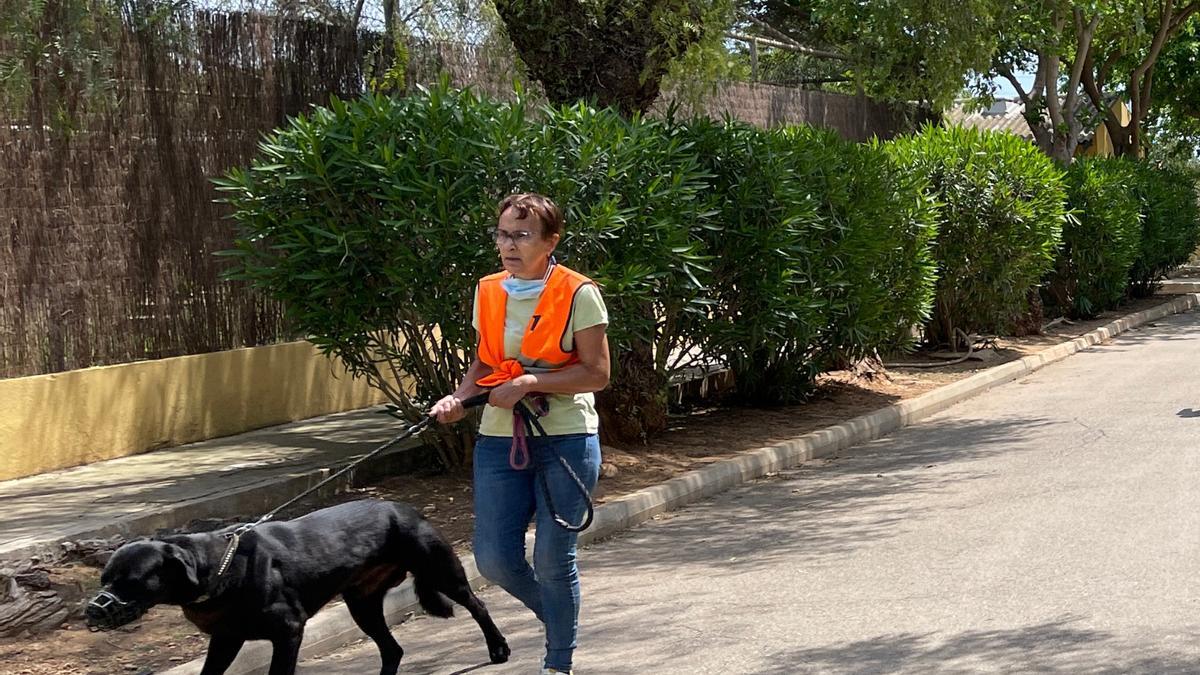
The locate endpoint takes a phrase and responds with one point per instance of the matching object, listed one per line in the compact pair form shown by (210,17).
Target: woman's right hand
(448,410)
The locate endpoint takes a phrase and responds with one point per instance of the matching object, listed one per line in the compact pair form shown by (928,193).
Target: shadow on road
(1058,646)
(839,504)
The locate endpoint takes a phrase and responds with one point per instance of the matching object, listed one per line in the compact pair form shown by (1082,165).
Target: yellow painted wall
(56,421)
(1101,145)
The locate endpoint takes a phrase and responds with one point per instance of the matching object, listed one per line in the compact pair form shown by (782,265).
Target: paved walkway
(1051,525)
(243,474)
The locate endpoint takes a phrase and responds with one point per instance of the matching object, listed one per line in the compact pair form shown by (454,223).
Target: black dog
(282,573)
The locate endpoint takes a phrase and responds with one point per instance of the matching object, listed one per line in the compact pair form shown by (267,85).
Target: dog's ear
(183,562)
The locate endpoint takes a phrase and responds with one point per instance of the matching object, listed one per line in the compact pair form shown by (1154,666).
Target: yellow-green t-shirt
(569,413)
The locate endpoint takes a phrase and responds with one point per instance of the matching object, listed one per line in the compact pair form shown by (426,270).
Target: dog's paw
(499,652)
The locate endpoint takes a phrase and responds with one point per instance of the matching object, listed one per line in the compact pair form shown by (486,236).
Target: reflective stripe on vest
(543,334)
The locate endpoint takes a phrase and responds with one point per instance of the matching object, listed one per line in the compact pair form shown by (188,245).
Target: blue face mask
(527,289)
(523,289)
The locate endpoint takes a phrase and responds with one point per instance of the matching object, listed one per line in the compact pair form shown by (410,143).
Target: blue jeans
(506,500)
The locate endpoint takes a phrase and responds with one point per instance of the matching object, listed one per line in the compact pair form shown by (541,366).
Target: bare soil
(164,638)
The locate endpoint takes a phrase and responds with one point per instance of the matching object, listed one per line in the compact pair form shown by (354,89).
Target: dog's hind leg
(368,614)
(458,590)
(222,650)
(285,654)
(443,573)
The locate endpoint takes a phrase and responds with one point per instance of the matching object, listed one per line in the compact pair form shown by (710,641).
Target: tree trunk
(1030,321)
(940,327)
(1042,137)
(1122,140)
(389,19)
(615,58)
(634,407)
(1063,147)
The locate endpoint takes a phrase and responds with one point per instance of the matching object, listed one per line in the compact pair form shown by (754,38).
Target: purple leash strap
(518,453)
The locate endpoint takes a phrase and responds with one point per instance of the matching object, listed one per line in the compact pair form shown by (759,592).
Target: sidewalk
(247,474)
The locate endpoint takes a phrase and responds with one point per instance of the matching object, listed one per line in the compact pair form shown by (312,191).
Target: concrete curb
(1179,286)
(333,627)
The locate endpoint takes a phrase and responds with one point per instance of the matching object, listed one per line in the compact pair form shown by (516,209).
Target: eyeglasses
(516,236)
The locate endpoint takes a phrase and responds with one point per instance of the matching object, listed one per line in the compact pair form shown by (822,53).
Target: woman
(542,337)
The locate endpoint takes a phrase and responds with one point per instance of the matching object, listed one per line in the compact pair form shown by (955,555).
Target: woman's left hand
(508,394)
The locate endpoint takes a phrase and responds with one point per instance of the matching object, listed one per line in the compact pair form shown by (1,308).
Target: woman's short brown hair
(543,207)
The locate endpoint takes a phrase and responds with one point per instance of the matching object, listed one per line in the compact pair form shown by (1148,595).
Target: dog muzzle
(106,611)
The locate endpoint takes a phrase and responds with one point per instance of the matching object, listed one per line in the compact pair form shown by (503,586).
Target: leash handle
(518,452)
(476,400)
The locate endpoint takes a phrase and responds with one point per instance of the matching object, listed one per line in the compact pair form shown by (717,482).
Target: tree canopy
(1090,54)
(1175,97)
(909,50)
(1129,42)
(1084,55)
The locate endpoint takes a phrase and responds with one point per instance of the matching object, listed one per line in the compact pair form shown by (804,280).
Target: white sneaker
(551,671)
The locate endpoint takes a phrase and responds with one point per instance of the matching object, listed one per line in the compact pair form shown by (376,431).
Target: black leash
(235,537)
(530,419)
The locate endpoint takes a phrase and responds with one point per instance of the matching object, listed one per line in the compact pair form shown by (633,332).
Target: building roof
(1003,115)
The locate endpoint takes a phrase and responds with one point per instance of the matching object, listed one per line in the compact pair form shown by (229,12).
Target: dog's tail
(431,601)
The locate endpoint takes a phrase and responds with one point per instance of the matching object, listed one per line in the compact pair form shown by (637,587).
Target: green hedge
(1002,211)
(636,198)
(767,310)
(1170,222)
(822,257)
(889,276)
(368,220)
(782,253)
(1101,239)
(817,254)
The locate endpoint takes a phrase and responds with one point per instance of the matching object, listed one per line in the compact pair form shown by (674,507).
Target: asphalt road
(1051,525)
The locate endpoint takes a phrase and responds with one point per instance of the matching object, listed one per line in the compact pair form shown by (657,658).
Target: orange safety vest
(545,332)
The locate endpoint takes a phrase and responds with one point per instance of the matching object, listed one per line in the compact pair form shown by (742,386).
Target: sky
(1006,89)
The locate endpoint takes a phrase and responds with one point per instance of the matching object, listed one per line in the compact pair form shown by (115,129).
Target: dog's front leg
(285,654)
(222,650)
